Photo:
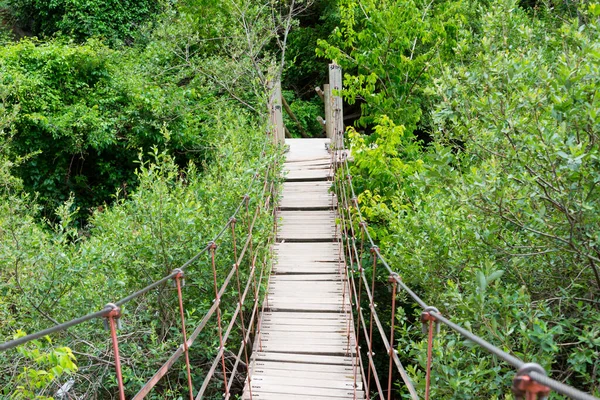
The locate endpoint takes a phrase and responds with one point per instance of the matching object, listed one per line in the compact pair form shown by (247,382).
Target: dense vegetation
(122,154)
(129,132)
(479,177)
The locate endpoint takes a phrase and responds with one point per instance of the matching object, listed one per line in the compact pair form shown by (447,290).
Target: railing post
(179,282)
(392,280)
(428,321)
(213,247)
(275,113)
(112,321)
(336,107)
(328,113)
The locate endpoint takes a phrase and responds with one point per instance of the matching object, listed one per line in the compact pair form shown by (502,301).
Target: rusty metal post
(372,307)
(357,330)
(179,282)
(112,316)
(428,321)
(233,221)
(392,280)
(213,247)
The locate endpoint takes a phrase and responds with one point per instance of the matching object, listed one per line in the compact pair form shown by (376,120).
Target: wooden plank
(276,326)
(294,278)
(279,288)
(326,336)
(309,344)
(295,293)
(336,319)
(317,265)
(297,367)
(309,287)
(317,215)
(334,267)
(257,395)
(332,323)
(302,358)
(311,316)
(282,271)
(291,262)
(304,382)
(284,391)
(304,307)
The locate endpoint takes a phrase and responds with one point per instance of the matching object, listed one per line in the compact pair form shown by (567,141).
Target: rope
(57,328)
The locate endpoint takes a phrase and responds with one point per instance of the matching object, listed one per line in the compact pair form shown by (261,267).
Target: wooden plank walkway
(306,347)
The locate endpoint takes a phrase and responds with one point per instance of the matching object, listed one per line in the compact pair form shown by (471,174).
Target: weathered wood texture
(306,347)
(276,117)
(336,105)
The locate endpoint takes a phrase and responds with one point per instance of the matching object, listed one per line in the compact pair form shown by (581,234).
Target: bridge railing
(531,380)
(250,294)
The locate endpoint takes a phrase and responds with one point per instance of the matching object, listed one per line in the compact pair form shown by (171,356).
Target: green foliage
(306,111)
(536,148)
(82,19)
(504,314)
(170,216)
(304,70)
(494,219)
(50,364)
(154,144)
(388,49)
(93,110)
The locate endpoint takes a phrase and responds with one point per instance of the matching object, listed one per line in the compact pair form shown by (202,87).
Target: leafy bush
(388,50)
(54,363)
(82,19)
(508,183)
(170,216)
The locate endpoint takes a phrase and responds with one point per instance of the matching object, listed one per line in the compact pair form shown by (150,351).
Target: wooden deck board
(306,347)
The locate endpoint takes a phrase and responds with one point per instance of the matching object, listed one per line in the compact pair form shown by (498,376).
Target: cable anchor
(113,312)
(426,317)
(179,275)
(525,388)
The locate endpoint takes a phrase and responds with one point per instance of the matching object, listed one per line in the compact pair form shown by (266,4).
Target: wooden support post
(276,116)
(336,106)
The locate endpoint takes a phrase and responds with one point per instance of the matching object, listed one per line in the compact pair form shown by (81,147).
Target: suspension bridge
(303,328)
